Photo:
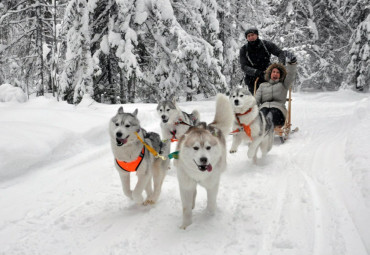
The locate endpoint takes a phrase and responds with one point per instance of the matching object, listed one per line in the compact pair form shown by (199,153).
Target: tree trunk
(39,41)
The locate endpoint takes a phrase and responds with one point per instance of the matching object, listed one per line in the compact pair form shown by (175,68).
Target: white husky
(131,155)
(250,124)
(202,159)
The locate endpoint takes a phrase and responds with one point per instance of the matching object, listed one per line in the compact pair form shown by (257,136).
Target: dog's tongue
(209,168)
(123,141)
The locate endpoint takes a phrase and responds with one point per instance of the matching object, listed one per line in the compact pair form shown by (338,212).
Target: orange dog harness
(246,128)
(133,165)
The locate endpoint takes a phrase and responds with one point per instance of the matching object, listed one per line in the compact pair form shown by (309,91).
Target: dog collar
(246,128)
(133,165)
(241,114)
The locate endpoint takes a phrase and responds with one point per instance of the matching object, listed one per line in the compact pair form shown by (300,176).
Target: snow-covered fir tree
(358,74)
(76,78)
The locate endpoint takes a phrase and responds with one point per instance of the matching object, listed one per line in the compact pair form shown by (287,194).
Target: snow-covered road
(60,193)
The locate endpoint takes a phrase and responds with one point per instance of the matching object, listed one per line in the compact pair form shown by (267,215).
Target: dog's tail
(195,117)
(224,114)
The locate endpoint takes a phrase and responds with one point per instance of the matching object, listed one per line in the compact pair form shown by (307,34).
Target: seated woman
(271,95)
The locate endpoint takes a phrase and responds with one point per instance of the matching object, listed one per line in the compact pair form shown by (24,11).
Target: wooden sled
(284,130)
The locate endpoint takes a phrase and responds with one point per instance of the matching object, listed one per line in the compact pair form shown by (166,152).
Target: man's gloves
(291,59)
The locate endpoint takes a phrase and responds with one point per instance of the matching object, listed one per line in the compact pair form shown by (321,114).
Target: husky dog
(250,124)
(175,122)
(202,159)
(131,155)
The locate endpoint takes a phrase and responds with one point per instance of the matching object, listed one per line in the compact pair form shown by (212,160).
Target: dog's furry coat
(174,121)
(250,124)
(127,147)
(202,159)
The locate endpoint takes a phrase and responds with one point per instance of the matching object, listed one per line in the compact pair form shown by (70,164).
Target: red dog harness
(133,165)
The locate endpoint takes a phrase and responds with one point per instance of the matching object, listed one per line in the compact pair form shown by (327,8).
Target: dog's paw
(251,154)
(149,202)
(232,151)
(255,160)
(184,226)
(211,211)
(138,199)
(129,194)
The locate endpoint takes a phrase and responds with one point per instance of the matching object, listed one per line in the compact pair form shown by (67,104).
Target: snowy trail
(309,196)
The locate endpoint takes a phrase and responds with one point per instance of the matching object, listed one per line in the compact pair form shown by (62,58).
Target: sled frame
(283,131)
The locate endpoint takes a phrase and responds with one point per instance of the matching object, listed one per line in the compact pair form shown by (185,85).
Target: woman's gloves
(291,59)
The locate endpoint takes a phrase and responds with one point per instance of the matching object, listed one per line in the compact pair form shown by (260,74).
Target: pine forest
(122,51)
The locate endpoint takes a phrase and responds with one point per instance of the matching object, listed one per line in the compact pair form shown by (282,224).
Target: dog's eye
(127,126)
(160,110)
(196,148)
(168,110)
(241,95)
(233,96)
(208,148)
(117,124)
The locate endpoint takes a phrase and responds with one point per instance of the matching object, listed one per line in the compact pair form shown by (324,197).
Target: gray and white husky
(174,122)
(202,159)
(130,155)
(250,124)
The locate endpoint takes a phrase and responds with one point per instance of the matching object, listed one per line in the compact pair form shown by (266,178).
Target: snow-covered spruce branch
(17,40)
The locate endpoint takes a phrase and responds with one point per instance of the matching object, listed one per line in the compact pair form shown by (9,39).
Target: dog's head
(241,100)
(123,126)
(167,110)
(201,147)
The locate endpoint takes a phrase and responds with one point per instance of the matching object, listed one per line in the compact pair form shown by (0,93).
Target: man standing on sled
(255,58)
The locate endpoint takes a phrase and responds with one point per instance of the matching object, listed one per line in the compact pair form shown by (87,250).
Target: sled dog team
(200,155)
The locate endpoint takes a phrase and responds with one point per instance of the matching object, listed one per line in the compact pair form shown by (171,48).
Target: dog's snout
(203,160)
(163,117)
(236,102)
(119,134)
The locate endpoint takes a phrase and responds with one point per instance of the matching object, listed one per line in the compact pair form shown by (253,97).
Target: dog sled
(283,131)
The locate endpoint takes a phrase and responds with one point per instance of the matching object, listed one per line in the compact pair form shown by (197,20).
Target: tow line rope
(150,149)
(174,155)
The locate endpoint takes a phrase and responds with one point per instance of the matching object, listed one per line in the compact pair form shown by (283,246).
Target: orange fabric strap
(248,131)
(133,165)
(247,128)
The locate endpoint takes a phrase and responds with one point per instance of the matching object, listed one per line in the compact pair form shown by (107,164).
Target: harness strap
(241,114)
(246,128)
(182,122)
(150,149)
(133,165)
(264,46)
(173,139)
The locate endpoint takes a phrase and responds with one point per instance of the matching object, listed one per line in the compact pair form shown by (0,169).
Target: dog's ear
(120,110)
(174,100)
(213,130)
(135,112)
(202,125)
